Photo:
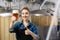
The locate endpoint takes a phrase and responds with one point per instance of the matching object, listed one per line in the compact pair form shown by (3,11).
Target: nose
(25,14)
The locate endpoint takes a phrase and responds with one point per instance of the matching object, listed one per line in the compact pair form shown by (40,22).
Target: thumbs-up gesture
(27,32)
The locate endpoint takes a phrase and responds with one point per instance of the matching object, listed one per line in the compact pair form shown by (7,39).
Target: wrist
(30,33)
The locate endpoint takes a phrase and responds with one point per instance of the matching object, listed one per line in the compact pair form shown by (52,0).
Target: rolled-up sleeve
(14,29)
(35,30)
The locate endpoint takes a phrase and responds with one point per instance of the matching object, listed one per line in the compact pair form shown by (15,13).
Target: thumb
(26,27)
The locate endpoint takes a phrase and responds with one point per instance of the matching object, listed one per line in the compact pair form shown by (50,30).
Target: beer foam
(15,11)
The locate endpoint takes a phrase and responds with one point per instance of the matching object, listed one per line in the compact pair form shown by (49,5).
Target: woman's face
(25,14)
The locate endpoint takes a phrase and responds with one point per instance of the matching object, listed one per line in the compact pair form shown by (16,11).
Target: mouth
(25,16)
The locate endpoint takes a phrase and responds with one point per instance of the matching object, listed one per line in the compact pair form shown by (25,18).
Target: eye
(26,12)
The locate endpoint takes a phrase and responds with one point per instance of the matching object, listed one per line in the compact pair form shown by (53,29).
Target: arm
(33,33)
(12,25)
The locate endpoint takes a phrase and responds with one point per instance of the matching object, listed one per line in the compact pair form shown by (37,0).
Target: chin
(25,19)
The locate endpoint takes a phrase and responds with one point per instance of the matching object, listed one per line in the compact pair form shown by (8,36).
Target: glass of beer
(15,13)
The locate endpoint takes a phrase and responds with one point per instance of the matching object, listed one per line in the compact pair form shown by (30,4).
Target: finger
(13,18)
(26,32)
(26,28)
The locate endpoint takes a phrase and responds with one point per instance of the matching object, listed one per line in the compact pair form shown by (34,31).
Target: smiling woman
(25,30)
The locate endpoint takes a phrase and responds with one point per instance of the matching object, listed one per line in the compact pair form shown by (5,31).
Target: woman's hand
(27,32)
(13,18)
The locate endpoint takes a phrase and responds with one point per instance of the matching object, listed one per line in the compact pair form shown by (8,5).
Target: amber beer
(15,13)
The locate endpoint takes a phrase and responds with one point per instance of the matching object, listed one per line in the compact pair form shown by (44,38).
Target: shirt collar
(28,23)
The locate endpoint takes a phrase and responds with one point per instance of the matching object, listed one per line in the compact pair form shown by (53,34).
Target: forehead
(25,10)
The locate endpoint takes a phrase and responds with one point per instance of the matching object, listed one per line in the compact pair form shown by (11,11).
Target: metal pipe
(42,4)
(53,18)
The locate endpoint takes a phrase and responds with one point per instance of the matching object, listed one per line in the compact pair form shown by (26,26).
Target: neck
(25,21)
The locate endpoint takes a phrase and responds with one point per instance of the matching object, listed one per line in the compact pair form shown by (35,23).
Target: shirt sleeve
(35,30)
(15,28)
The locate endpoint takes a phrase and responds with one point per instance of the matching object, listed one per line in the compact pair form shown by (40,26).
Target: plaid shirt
(19,29)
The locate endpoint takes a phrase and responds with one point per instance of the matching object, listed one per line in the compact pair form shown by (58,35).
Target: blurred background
(41,18)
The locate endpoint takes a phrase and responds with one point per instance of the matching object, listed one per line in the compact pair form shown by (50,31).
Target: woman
(24,30)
